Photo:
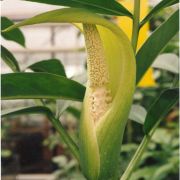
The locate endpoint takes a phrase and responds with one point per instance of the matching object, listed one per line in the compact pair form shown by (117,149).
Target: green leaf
(175,83)
(155,43)
(137,114)
(74,111)
(167,61)
(30,110)
(9,59)
(56,123)
(163,4)
(53,66)
(160,108)
(16,35)
(40,85)
(98,6)
(61,106)
(164,170)
(143,173)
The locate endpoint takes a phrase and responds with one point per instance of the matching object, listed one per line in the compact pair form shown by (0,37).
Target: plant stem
(146,139)
(136,158)
(65,136)
(138,154)
(135,32)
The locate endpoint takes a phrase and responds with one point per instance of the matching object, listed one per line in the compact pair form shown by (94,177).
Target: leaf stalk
(65,136)
(135,32)
(138,154)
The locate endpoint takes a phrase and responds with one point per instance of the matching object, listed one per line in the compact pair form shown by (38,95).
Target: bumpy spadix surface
(98,75)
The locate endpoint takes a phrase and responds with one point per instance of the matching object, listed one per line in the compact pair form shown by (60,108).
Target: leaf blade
(137,114)
(168,62)
(155,43)
(98,6)
(163,103)
(53,66)
(161,5)
(16,35)
(9,59)
(26,110)
(40,85)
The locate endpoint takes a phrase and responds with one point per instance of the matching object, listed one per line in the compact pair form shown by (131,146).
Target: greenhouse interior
(90,90)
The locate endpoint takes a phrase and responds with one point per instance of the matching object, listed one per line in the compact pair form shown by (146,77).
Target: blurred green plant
(68,169)
(161,160)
